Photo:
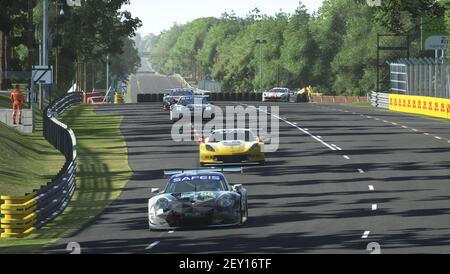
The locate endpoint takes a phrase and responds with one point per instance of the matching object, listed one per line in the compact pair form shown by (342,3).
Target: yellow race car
(231,147)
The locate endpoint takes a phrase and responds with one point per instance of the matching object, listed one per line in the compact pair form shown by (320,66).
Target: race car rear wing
(212,169)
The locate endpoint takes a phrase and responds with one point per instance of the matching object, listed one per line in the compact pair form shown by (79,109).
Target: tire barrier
(21,216)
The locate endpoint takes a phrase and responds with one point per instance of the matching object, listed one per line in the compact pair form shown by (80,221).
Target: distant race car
(172,96)
(231,147)
(198,199)
(278,95)
(192,105)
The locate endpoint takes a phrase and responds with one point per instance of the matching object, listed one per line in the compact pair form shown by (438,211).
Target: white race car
(278,95)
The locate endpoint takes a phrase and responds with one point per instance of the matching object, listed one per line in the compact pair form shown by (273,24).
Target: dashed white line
(301,129)
(170,232)
(336,147)
(152,245)
(437,137)
(374,207)
(415,130)
(371,188)
(404,127)
(365,235)
(395,124)
(346,157)
(360,171)
(427,134)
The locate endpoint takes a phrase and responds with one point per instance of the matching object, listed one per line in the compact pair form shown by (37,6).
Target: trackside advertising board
(430,106)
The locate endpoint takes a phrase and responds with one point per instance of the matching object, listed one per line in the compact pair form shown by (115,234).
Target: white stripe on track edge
(152,245)
(365,235)
(302,130)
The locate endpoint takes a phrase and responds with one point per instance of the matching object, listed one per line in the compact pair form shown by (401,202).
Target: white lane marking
(335,146)
(404,127)
(413,129)
(374,207)
(449,141)
(320,137)
(385,121)
(371,188)
(395,124)
(365,235)
(427,134)
(170,232)
(346,157)
(301,129)
(360,171)
(152,245)
(437,137)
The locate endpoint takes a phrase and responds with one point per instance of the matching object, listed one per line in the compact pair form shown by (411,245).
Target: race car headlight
(225,201)
(162,203)
(209,148)
(254,148)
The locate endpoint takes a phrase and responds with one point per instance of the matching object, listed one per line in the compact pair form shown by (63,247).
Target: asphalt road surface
(147,80)
(342,178)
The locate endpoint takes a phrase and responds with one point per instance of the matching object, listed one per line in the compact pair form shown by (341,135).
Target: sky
(159,15)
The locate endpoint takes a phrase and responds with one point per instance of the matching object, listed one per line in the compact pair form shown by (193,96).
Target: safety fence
(379,100)
(421,77)
(423,105)
(21,216)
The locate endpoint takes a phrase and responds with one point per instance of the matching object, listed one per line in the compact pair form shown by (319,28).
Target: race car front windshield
(196,186)
(281,90)
(245,136)
(191,101)
(181,92)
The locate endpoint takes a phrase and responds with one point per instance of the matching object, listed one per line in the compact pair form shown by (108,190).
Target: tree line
(333,49)
(80,40)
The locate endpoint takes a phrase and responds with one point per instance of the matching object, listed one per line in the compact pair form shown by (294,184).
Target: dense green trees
(84,35)
(334,49)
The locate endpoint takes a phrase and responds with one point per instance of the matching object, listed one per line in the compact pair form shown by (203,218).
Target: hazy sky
(159,15)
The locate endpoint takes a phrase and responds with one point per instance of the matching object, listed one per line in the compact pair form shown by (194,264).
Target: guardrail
(21,216)
(379,100)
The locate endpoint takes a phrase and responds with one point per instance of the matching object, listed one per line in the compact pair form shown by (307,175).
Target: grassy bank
(102,173)
(27,161)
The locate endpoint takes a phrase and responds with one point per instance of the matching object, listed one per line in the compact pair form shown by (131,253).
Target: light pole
(260,42)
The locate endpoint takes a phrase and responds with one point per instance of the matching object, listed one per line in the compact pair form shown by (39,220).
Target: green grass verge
(361,105)
(23,157)
(103,171)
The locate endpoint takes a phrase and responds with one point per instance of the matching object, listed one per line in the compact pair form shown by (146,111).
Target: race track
(342,178)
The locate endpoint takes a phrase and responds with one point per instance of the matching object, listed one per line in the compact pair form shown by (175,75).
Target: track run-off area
(344,180)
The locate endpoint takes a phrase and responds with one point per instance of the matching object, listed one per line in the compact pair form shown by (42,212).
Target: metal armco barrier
(21,216)
(379,100)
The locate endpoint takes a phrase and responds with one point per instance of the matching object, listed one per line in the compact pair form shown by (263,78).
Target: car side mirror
(237,187)
(155,190)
